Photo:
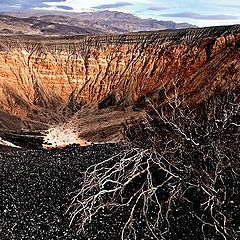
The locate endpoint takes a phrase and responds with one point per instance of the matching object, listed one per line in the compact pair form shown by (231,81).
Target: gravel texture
(36,187)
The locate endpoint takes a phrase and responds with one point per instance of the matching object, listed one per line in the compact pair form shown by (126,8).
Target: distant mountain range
(87,23)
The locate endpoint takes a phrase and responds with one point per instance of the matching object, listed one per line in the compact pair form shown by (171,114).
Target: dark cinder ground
(36,187)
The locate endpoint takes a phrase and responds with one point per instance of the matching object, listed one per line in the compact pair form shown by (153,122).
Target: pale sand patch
(92,126)
(8,144)
(62,136)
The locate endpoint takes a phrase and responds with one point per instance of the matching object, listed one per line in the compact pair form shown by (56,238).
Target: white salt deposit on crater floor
(6,143)
(61,136)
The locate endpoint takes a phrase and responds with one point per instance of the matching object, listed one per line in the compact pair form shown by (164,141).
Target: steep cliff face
(55,76)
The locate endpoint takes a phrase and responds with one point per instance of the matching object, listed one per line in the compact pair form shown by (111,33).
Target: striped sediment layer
(48,80)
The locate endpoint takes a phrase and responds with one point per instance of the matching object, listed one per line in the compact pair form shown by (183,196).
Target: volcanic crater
(92,86)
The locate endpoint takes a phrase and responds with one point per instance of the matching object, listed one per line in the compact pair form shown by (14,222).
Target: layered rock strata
(52,72)
(48,79)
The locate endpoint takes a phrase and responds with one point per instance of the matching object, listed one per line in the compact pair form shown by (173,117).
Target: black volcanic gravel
(36,187)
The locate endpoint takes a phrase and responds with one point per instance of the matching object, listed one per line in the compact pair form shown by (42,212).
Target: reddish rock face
(50,74)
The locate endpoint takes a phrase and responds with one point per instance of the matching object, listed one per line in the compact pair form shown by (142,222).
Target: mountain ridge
(86,23)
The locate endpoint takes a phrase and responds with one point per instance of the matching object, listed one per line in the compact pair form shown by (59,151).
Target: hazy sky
(199,12)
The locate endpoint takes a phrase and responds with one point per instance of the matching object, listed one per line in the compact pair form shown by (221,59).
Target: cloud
(113,5)
(64,7)
(157,8)
(30,4)
(230,6)
(193,15)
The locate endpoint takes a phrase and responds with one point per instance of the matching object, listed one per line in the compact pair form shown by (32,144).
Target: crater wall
(52,73)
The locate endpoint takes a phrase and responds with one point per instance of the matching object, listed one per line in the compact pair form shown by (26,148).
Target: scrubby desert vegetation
(178,179)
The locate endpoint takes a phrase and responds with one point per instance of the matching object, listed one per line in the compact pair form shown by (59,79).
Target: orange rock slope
(50,75)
